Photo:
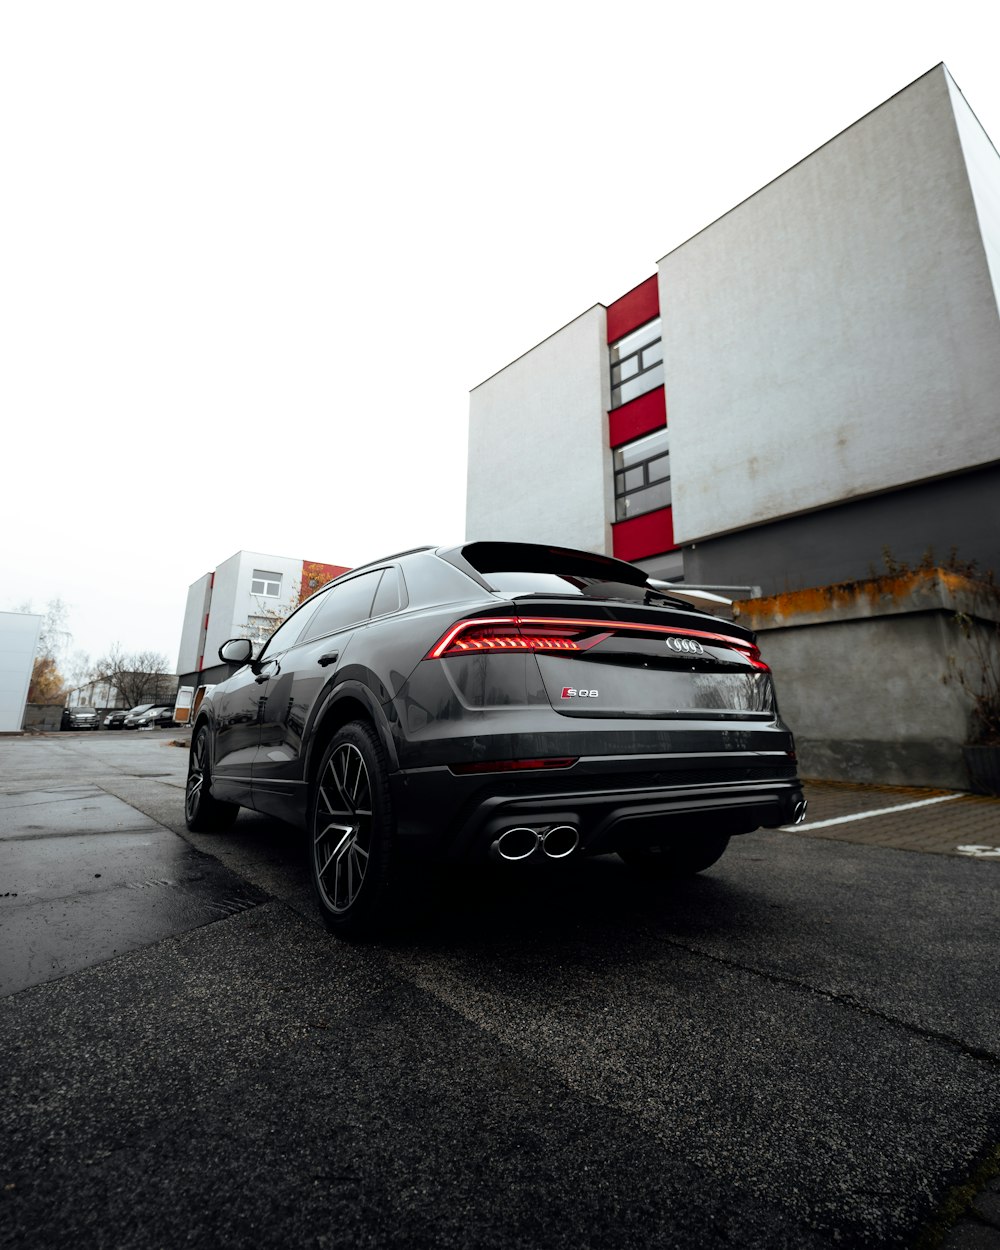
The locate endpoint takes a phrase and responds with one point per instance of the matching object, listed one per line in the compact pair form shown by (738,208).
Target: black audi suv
(500,700)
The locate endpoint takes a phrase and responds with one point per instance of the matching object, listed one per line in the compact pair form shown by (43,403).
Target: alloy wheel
(196,776)
(342,831)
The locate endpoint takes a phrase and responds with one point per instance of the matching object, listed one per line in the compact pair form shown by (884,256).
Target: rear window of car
(519,569)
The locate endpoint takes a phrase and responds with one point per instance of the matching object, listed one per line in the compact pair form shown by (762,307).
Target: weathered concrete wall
(868,675)
(39,717)
(837,334)
(19,633)
(538,443)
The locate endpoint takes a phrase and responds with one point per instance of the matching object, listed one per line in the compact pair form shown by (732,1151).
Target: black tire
(351,833)
(202,812)
(677,859)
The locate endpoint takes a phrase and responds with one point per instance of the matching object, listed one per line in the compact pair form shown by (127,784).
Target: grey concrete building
(825,365)
(806,393)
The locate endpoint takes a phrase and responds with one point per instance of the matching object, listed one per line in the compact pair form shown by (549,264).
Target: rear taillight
(539,633)
(504,634)
(752,653)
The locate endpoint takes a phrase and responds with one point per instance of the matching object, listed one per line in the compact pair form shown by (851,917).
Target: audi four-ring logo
(688,646)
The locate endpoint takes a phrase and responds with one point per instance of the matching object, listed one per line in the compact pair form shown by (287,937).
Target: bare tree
(54,637)
(79,669)
(139,676)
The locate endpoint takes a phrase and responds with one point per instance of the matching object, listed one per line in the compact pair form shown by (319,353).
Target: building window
(642,475)
(636,363)
(267,584)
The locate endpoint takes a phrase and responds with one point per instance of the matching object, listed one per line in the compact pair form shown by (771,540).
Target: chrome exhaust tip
(516,844)
(560,841)
(799,814)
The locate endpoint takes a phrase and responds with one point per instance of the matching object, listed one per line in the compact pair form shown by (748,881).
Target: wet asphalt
(799,1048)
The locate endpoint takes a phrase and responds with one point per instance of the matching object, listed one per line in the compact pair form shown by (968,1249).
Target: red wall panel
(640,305)
(646,535)
(315,574)
(639,416)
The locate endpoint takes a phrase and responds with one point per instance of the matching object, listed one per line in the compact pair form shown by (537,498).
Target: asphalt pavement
(800,1047)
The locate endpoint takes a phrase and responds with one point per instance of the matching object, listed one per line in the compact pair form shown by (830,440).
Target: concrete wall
(844,542)
(837,334)
(867,676)
(43,717)
(199,601)
(539,464)
(18,643)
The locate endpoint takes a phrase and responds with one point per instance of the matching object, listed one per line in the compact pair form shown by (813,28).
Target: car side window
(345,603)
(387,597)
(287,634)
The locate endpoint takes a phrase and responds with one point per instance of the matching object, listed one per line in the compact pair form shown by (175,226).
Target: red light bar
(502,634)
(513,766)
(544,633)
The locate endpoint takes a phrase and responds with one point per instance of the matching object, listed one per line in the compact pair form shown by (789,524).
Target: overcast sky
(253,257)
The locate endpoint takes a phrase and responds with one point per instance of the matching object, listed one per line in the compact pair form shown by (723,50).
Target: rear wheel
(351,832)
(677,859)
(203,813)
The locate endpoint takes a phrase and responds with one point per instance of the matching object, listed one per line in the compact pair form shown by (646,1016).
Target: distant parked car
(80,718)
(156,718)
(132,717)
(116,719)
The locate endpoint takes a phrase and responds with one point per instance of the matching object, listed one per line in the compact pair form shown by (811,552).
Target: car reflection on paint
(495,700)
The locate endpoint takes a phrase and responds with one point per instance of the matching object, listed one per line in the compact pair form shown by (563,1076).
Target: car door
(238,704)
(299,677)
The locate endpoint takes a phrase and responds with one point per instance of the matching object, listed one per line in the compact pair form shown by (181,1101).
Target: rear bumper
(612,802)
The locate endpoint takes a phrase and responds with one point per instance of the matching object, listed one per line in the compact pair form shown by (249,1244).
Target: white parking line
(880,811)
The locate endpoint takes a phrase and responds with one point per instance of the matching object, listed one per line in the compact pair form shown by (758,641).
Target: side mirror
(236,651)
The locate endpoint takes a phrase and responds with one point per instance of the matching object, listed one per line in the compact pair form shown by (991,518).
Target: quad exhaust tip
(523,841)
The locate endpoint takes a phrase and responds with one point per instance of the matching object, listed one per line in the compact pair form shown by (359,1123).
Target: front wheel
(351,832)
(202,812)
(677,859)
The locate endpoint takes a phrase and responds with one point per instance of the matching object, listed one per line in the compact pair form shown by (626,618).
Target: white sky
(253,257)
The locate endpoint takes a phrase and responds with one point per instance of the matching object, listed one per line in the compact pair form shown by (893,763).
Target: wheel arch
(350,701)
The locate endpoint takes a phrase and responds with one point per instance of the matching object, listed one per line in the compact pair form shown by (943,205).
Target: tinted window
(564,584)
(345,603)
(521,569)
(287,634)
(387,595)
(642,475)
(428,579)
(636,363)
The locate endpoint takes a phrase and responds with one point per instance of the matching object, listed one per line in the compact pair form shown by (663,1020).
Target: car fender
(360,693)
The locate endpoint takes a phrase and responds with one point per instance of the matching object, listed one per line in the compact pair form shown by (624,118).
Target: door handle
(331,657)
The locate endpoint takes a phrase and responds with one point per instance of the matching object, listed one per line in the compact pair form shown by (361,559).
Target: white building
(19,632)
(242,598)
(810,380)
